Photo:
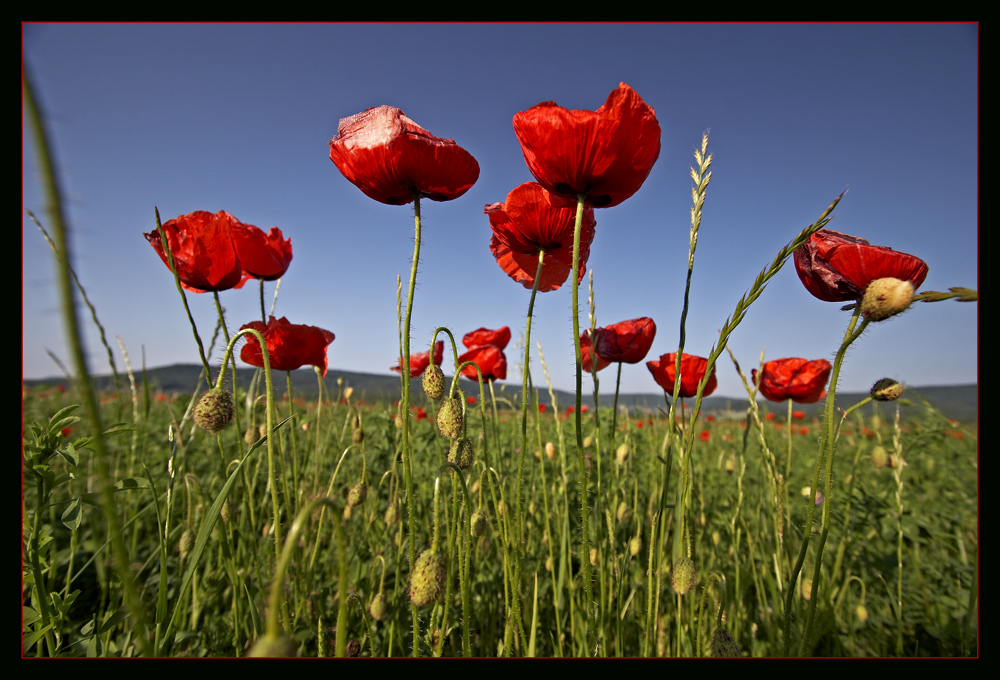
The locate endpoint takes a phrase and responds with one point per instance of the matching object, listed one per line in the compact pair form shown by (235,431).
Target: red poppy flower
(705,435)
(800,380)
(692,371)
(484,336)
(586,358)
(289,345)
(606,154)
(421,360)
(532,220)
(263,256)
(491,361)
(835,267)
(203,249)
(471,400)
(798,415)
(392,159)
(626,341)
(541,408)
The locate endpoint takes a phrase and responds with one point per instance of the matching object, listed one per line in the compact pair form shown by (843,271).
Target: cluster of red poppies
(483,346)
(216,252)
(581,160)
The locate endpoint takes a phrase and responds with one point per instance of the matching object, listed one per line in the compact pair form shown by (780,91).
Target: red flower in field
(584,408)
(263,256)
(533,220)
(421,360)
(770,417)
(203,249)
(66,431)
(835,267)
(692,371)
(484,336)
(541,408)
(392,159)
(799,415)
(800,380)
(491,361)
(606,154)
(626,341)
(705,435)
(586,358)
(418,412)
(471,400)
(804,430)
(289,345)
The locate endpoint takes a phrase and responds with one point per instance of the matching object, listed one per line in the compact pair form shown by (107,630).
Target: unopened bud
(886,297)
(886,389)
(433,382)
(215,410)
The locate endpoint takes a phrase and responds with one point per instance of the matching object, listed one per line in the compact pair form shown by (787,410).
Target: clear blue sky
(237,117)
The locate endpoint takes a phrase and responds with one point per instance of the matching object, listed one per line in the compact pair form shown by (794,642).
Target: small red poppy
(705,435)
(471,400)
(421,360)
(692,371)
(835,267)
(587,358)
(203,249)
(798,415)
(626,341)
(289,346)
(392,159)
(485,336)
(606,154)
(491,361)
(800,380)
(263,256)
(532,220)
(541,408)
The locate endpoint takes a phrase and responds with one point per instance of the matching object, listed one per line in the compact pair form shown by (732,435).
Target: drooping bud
(215,410)
(634,546)
(886,389)
(433,382)
(427,578)
(621,453)
(478,522)
(460,453)
(724,646)
(550,450)
(450,417)
(378,607)
(357,494)
(880,457)
(886,297)
(392,514)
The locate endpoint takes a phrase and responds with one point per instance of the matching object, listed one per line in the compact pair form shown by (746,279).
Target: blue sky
(237,117)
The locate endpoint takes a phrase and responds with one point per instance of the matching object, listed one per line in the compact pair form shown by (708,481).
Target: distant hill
(959,402)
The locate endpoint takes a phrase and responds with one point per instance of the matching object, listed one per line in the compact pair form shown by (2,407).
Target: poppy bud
(450,417)
(886,389)
(550,450)
(427,578)
(215,410)
(880,457)
(593,557)
(621,454)
(724,646)
(460,453)
(684,576)
(634,546)
(358,493)
(392,514)
(478,522)
(378,607)
(273,646)
(433,382)
(861,612)
(886,297)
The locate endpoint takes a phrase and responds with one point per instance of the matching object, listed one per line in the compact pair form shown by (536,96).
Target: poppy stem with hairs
(232,355)
(854,331)
(581,200)
(405,408)
(525,399)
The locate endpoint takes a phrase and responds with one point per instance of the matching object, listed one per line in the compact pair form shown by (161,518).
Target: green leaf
(30,640)
(29,615)
(73,515)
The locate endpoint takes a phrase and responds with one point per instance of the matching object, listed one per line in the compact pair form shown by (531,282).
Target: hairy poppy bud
(684,576)
(433,382)
(392,514)
(427,578)
(886,389)
(460,453)
(378,607)
(478,522)
(886,297)
(723,645)
(634,546)
(215,410)
(357,494)
(880,457)
(450,417)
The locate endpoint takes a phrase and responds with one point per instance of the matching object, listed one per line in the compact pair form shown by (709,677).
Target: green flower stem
(405,408)
(826,455)
(63,265)
(524,403)
(329,492)
(592,635)
(284,558)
